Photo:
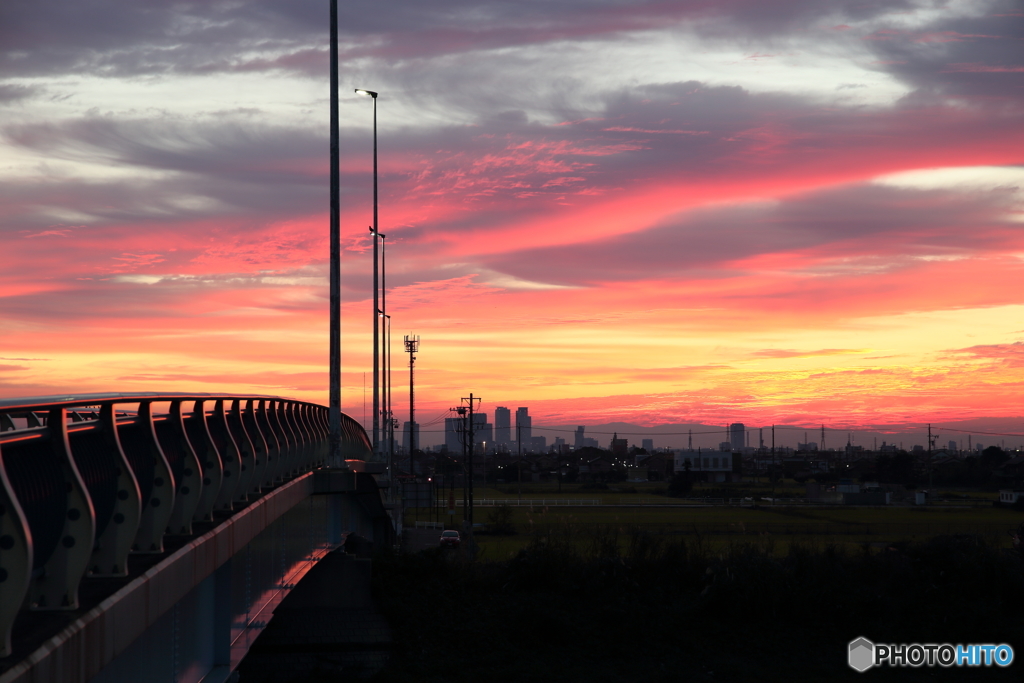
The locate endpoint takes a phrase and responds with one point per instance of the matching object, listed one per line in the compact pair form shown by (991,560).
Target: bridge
(150,536)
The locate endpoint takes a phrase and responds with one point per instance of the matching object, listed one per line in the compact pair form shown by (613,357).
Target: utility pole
(931,446)
(472,402)
(519,463)
(822,438)
(773,465)
(412,345)
(461,430)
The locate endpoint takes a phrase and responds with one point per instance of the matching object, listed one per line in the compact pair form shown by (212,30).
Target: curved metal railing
(86,480)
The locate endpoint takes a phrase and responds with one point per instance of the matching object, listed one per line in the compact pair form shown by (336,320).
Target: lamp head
(368,93)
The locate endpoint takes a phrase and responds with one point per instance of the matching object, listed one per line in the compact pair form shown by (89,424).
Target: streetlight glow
(368,93)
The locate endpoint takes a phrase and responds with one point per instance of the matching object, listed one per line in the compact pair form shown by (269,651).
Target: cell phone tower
(412,347)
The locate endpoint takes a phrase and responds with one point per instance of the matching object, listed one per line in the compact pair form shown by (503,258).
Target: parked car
(450,539)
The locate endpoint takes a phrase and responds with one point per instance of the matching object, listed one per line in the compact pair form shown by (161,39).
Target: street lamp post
(334,399)
(389,425)
(376,304)
(385,320)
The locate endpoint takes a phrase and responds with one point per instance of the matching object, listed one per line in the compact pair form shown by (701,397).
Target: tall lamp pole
(389,431)
(334,402)
(392,422)
(376,304)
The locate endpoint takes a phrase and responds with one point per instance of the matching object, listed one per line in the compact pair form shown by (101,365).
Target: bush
(499,521)
(680,484)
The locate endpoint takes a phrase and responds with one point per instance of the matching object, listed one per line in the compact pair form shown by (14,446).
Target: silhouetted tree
(682,482)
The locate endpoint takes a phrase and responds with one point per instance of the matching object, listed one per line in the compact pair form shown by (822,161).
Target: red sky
(651,212)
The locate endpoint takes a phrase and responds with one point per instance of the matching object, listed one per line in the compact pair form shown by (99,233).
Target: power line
(726,431)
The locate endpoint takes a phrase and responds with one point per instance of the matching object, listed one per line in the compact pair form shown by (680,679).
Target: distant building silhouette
(578,443)
(737,436)
(524,425)
(406,443)
(502,426)
(483,431)
(452,436)
(647,445)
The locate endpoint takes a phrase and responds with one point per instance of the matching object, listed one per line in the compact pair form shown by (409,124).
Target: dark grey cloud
(979,58)
(244,166)
(121,302)
(872,226)
(131,37)
(14,92)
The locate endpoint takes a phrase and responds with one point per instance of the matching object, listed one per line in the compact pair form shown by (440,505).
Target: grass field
(596,604)
(779,525)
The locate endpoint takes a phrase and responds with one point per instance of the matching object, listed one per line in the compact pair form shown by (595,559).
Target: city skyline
(632,211)
(966,436)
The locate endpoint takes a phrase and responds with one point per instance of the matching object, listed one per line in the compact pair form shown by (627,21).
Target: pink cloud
(625,129)
(947,37)
(792,353)
(981,68)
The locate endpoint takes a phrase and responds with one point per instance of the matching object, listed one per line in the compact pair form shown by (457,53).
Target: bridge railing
(87,480)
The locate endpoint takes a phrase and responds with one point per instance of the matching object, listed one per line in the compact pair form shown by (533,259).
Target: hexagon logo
(862,654)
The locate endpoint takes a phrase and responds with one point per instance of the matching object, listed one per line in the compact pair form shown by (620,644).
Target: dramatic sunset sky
(741,210)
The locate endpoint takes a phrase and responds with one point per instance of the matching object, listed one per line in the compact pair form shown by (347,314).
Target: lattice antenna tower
(412,347)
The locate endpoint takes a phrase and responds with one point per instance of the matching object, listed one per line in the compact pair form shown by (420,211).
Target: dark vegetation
(499,521)
(600,606)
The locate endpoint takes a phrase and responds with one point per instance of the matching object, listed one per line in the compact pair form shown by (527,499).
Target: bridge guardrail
(84,481)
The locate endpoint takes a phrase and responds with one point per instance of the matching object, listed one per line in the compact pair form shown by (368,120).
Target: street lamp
(376,306)
(334,397)
(389,424)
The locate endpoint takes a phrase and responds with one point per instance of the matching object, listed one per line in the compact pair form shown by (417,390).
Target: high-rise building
(737,436)
(453,435)
(524,425)
(483,431)
(579,442)
(502,426)
(407,432)
(647,445)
